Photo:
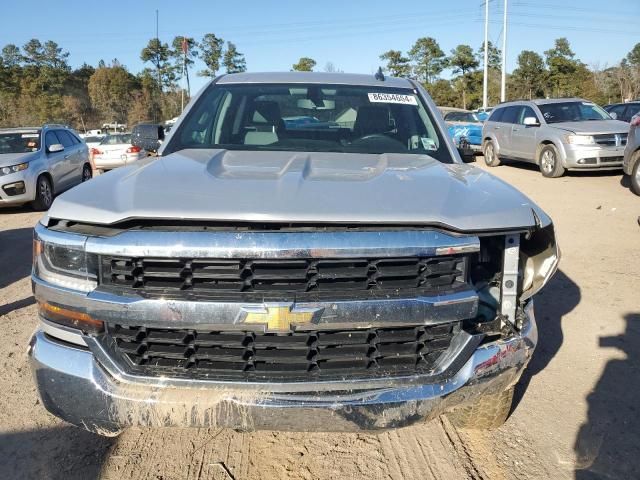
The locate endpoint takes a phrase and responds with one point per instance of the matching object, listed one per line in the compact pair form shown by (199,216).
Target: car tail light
(95,151)
(635,121)
(134,149)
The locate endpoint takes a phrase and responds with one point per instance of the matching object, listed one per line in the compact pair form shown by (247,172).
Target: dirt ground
(576,413)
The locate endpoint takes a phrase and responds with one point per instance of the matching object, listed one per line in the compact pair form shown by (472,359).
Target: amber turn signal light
(71,318)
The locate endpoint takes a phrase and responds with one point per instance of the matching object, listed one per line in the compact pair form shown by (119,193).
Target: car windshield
(19,142)
(572,112)
(93,139)
(116,139)
(310,118)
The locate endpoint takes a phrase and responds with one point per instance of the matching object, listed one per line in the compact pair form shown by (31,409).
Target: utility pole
(159,91)
(485,81)
(158,40)
(503,84)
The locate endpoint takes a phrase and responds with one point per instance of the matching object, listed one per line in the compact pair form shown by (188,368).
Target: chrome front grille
(167,276)
(252,355)
(611,139)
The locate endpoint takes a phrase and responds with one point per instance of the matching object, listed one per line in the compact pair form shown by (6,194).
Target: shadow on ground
(571,173)
(15,255)
(555,301)
(607,445)
(53,453)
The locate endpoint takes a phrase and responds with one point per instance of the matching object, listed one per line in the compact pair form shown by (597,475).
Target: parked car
(264,276)
(465,128)
(556,134)
(115,151)
(38,163)
(149,136)
(483,113)
(623,111)
(92,141)
(631,163)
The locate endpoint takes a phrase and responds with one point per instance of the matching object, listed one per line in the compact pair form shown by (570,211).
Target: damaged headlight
(539,255)
(65,265)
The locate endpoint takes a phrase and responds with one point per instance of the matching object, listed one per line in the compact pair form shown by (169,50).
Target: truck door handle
(496,128)
(516,129)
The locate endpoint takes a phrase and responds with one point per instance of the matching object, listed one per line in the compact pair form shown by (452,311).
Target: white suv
(556,134)
(38,163)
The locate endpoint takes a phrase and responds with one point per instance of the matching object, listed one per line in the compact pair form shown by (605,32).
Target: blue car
(465,128)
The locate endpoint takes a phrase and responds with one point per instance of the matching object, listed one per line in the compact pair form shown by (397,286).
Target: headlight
(540,255)
(67,266)
(13,169)
(580,139)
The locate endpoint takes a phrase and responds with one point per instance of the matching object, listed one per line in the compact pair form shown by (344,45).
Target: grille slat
(416,275)
(296,355)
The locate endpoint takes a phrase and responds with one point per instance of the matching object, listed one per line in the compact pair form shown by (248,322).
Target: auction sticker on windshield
(392,98)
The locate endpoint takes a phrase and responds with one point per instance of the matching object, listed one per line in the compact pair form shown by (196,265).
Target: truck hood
(221,185)
(593,127)
(9,159)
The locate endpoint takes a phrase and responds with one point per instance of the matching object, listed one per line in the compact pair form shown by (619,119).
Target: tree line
(556,73)
(37,84)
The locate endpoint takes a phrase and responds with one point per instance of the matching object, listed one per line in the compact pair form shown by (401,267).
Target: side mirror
(613,115)
(531,122)
(56,147)
(149,137)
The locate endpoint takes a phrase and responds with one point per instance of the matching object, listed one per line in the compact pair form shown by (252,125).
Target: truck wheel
(635,176)
(487,413)
(490,156)
(549,161)
(44,194)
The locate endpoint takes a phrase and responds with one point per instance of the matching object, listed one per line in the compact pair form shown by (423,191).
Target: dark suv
(623,111)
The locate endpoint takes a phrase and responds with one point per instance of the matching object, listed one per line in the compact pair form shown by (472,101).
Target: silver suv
(37,163)
(556,134)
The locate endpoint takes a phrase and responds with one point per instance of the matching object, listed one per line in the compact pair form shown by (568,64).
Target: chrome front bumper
(83,390)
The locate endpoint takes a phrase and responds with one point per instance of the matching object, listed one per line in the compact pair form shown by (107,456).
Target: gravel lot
(576,413)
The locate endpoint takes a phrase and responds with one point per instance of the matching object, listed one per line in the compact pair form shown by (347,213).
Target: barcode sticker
(392,98)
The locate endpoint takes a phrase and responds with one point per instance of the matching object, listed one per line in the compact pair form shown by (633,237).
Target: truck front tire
(489,412)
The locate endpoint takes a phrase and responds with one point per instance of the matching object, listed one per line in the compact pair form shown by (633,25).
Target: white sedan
(115,151)
(92,141)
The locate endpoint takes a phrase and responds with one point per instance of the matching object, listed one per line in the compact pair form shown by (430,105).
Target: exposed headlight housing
(13,169)
(539,255)
(580,139)
(64,265)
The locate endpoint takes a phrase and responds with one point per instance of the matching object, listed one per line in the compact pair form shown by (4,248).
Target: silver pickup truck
(308,252)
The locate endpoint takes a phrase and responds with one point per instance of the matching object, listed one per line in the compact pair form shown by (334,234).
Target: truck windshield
(19,142)
(311,118)
(572,112)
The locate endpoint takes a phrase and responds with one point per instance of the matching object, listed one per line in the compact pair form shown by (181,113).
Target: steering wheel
(372,136)
(379,137)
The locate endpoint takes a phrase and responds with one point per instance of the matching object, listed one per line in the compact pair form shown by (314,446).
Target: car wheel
(635,177)
(87,173)
(44,194)
(549,161)
(490,156)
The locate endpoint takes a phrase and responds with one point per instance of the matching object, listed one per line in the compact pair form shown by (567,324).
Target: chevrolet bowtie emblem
(279,318)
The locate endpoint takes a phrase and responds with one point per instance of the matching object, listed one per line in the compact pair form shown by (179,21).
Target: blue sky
(351,34)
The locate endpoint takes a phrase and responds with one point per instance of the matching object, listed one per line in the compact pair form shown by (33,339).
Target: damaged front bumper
(75,386)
